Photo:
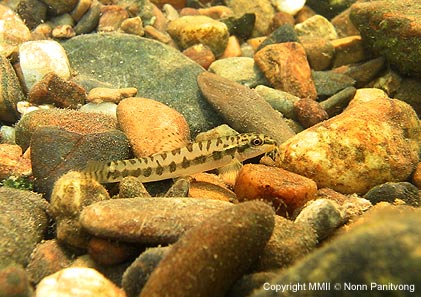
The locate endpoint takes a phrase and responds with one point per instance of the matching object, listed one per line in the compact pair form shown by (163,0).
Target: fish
(193,158)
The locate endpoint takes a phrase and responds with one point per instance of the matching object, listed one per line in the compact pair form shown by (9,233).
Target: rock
(176,3)
(72,121)
(390,28)
(409,91)
(151,126)
(138,272)
(368,144)
(47,258)
(37,58)
(250,282)
(32,12)
(239,69)
(275,61)
(343,25)
(211,187)
(80,9)
(402,192)
(323,215)
(106,252)
(23,224)
(309,112)
(279,100)
(336,104)
(377,250)
(329,83)
(416,176)
(132,187)
(133,26)
(85,281)
(316,26)
(363,73)
(107,108)
(217,251)
(320,52)
(284,33)
(52,89)
(12,163)
(261,8)
(90,19)
(242,26)
(11,91)
(233,48)
(60,6)
(98,95)
(242,108)
(71,194)
(288,6)
(63,31)
(305,13)
(191,30)
(112,16)
(286,191)
(71,151)
(141,219)
(329,8)
(14,281)
(13,32)
(180,188)
(349,50)
(290,241)
(156,71)
(201,54)
(281,18)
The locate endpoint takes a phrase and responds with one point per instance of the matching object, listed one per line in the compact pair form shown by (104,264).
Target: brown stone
(98,95)
(243,109)
(216,12)
(201,54)
(151,126)
(349,50)
(111,18)
(233,48)
(63,31)
(281,18)
(309,112)
(52,89)
(286,67)
(12,162)
(211,187)
(320,52)
(176,3)
(108,252)
(148,220)
(81,8)
(287,191)
(416,177)
(343,25)
(305,13)
(212,256)
(133,26)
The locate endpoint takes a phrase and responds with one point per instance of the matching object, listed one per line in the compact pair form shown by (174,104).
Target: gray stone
(158,72)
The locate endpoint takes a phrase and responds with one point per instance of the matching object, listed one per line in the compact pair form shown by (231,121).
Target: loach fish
(194,158)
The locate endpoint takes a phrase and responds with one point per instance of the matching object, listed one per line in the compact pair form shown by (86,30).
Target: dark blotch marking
(219,141)
(132,161)
(164,156)
(185,163)
(217,155)
(189,147)
(172,166)
(200,145)
(199,160)
(147,172)
(137,172)
(208,144)
(125,173)
(176,151)
(159,170)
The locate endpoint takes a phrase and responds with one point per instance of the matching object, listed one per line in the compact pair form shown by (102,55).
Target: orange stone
(286,191)
(286,67)
(416,177)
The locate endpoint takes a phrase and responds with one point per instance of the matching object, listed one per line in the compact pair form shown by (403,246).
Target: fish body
(194,158)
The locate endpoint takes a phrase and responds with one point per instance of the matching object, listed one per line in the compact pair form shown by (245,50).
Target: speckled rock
(13,31)
(329,83)
(107,252)
(47,258)
(14,281)
(71,194)
(72,121)
(156,70)
(84,281)
(275,62)
(263,10)
(216,251)
(147,220)
(290,241)
(416,176)
(391,29)
(138,272)
(151,126)
(23,224)
(190,30)
(37,58)
(316,26)
(201,54)
(71,151)
(329,8)
(375,140)
(90,19)
(349,50)
(239,69)
(320,52)
(279,100)
(309,112)
(377,249)
(243,109)
(286,191)
(10,91)
(12,163)
(402,192)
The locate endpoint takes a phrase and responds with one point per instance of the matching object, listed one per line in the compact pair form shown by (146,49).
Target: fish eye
(257,141)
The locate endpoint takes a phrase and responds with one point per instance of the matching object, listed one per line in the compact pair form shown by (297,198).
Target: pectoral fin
(228,173)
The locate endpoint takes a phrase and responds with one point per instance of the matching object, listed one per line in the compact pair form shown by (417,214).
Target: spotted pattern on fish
(193,158)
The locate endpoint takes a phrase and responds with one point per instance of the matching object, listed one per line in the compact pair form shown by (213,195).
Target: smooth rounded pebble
(147,220)
(213,255)
(151,126)
(14,281)
(77,281)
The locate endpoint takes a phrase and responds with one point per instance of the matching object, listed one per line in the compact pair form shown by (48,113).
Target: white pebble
(37,58)
(289,6)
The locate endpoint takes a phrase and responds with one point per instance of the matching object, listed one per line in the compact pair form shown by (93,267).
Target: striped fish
(194,158)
